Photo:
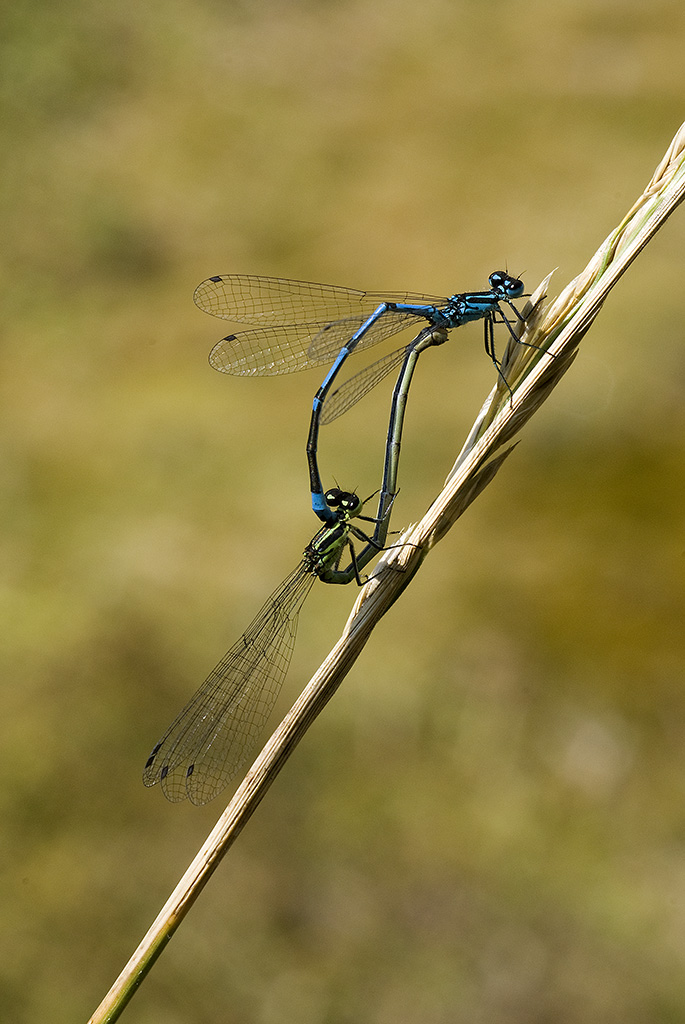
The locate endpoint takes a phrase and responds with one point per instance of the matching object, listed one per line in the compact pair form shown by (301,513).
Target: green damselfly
(208,743)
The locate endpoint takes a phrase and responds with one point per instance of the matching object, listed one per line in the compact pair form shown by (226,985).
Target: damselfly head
(504,284)
(346,503)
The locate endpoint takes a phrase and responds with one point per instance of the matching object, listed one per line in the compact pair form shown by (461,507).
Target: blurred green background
(488,822)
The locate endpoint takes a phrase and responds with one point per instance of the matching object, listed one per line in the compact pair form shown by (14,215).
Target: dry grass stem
(551,337)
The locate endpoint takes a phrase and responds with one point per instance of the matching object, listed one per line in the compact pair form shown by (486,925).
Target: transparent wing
(354,389)
(211,738)
(302,324)
(264,301)
(287,349)
(249,299)
(266,352)
(330,339)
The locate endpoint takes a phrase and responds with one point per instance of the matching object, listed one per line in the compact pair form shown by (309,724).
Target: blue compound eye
(507,285)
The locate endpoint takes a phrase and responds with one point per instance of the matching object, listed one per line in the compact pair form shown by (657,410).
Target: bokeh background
(488,822)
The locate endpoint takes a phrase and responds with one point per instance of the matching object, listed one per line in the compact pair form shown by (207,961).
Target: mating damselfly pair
(297,325)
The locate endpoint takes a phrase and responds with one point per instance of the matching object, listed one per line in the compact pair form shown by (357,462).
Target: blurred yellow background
(488,822)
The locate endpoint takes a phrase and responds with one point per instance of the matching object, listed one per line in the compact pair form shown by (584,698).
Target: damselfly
(211,738)
(302,324)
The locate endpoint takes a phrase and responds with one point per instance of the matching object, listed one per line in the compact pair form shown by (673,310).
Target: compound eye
(334,497)
(507,285)
(351,503)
